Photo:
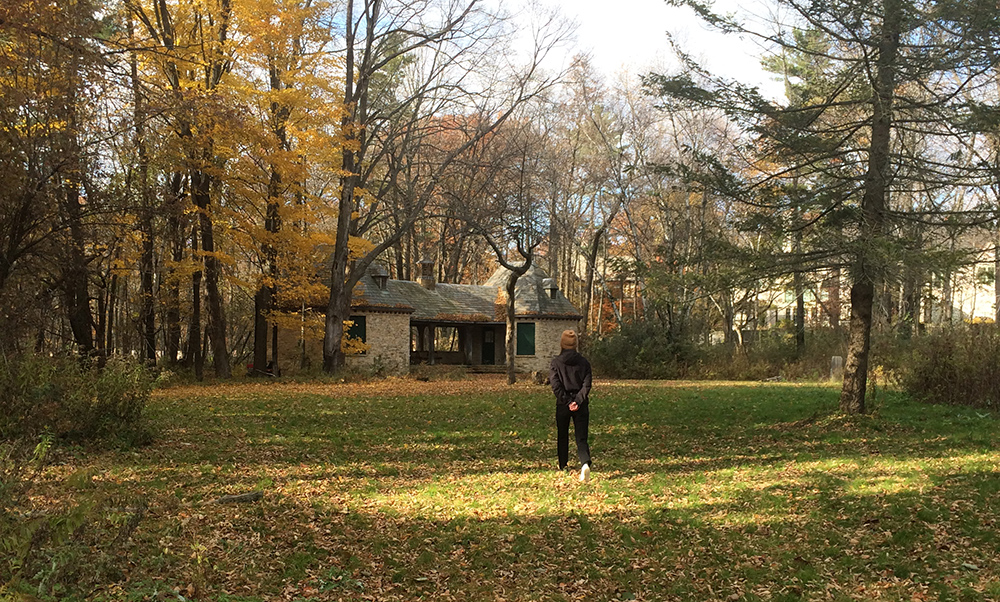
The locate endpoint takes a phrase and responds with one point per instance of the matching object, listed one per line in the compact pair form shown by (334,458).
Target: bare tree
(497,190)
(458,70)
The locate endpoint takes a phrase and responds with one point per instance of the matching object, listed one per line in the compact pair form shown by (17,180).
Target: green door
(489,347)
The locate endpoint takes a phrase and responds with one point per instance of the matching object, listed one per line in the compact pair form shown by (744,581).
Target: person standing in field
(570,377)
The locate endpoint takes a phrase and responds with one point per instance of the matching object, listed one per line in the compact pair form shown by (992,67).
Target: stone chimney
(426,278)
(549,284)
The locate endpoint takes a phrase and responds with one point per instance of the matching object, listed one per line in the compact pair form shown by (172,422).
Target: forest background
(184,180)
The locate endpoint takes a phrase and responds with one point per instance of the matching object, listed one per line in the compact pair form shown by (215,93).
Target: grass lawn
(404,490)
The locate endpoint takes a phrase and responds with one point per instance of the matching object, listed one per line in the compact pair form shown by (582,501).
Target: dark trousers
(581,426)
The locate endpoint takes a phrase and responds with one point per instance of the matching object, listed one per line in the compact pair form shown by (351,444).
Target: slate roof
(530,296)
(368,295)
(463,302)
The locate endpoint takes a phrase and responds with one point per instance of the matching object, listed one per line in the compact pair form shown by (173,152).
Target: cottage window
(359,329)
(526,338)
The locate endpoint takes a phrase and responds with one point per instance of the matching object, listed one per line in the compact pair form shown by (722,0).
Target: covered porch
(457,343)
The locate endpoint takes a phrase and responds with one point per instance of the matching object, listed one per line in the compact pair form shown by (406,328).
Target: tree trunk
(333,355)
(338,305)
(147,308)
(852,396)
(886,305)
(109,345)
(909,306)
(588,291)
(800,314)
(511,340)
(274,349)
(833,298)
(398,258)
(44,305)
(261,305)
(194,330)
(909,315)
(264,299)
(76,290)
(75,274)
(800,293)
(201,184)
(100,328)
(730,338)
(355,96)
(172,330)
(454,269)
(996,275)
(947,297)
(555,244)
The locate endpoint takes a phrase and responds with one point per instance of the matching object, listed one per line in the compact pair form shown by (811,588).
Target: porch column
(463,345)
(430,340)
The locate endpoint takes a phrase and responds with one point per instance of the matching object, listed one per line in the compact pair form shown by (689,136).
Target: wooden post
(432,332)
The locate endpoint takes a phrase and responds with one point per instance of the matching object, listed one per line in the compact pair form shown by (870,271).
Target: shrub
(73,400)
(63,551)
(720,362)
(20,463)
(57,552)
(891,357)
(958,366)
(638,351)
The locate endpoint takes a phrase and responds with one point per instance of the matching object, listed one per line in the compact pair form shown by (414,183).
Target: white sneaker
(585,473)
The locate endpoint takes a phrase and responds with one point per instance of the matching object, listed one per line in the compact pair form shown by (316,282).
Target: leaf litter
(398,490)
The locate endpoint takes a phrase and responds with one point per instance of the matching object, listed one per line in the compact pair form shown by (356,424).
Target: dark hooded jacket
(570,377)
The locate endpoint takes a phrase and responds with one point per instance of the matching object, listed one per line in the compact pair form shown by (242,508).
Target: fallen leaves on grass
(402,490)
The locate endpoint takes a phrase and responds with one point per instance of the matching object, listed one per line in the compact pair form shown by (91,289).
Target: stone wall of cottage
(388,339)
(547,335)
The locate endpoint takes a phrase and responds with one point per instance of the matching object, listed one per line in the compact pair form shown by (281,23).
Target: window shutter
(526,338)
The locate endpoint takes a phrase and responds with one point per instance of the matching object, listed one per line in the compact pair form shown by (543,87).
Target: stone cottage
(405,322)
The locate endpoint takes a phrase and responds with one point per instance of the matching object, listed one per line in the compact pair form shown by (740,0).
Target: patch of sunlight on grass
(702,491)
(878,485)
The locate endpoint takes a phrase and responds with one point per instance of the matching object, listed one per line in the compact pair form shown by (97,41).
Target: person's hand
(573,406)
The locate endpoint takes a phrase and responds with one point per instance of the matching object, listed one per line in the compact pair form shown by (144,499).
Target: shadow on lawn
(698,495)
(784,543)
(623,451)
(656,432)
